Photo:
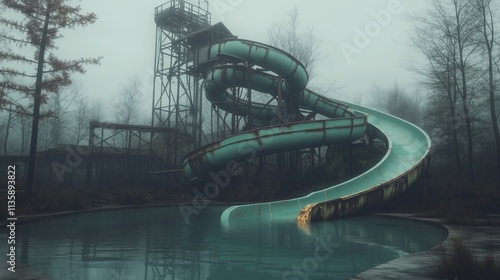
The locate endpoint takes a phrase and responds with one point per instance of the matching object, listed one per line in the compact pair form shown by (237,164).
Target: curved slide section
(343,125)
(406,159)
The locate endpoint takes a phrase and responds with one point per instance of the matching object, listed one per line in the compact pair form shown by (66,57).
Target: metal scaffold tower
(181,29)
(177,94)
(184,34)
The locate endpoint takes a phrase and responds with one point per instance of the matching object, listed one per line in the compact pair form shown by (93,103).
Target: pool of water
(156,243)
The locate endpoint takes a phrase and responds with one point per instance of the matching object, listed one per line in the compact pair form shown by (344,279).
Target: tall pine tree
(36,26)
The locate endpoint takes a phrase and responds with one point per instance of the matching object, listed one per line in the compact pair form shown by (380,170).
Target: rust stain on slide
(349,205)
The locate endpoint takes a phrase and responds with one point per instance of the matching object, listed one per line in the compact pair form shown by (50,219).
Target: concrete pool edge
(418,265)
(32,217)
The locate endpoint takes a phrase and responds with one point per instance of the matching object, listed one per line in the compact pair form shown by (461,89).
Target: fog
(360,44)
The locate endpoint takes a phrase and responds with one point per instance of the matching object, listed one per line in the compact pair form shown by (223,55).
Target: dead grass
(49,201)
(131,197)
(70,199)
(462,202)
(460,262)
(455,200)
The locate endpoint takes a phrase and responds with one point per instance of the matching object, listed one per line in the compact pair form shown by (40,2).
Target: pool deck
(484,239)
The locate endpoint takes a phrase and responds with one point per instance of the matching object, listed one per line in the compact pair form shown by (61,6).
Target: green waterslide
(408,147)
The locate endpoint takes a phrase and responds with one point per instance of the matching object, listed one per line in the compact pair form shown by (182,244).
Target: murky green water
(156,243)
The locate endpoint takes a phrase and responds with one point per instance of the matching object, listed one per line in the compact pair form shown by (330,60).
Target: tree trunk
(494,120)
(468,126)
(491,85)
(462,67)
(6,139)
(30,176)
(453,106)
(23,132)
(455,144)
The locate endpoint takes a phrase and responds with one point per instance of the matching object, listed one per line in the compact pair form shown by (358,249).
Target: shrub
(130,197)
(460,262)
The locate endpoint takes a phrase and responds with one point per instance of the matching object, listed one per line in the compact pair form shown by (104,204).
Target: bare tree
(96,111)
(16,117)
(487,24)
(6,126)
(6,130)
(38,24)
(127,108)
(447,36)
(81,120)
(463,31)
(24,129)
(397,102)
(2,130)
(58,111)
(440,78)
(302,44)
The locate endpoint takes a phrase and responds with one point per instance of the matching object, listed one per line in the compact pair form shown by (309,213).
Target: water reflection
(157,244)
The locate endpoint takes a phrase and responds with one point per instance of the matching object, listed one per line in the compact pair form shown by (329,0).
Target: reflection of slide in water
(407,156)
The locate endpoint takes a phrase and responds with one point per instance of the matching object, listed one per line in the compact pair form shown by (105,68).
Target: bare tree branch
(302,44)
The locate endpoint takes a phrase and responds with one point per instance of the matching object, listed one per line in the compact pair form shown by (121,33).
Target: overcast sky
(125,36)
